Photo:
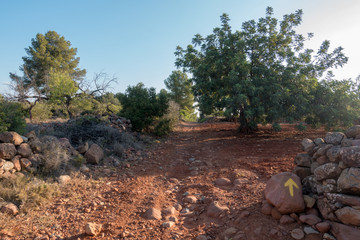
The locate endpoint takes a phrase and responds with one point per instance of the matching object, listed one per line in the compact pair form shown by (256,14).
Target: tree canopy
(261,73)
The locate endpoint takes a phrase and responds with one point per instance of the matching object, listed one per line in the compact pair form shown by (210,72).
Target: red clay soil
(217,150)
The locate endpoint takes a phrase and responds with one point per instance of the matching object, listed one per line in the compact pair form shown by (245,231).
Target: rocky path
(206,181)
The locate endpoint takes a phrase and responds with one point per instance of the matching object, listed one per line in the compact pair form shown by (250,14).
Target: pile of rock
(120,122)
(324,189)
(19,153)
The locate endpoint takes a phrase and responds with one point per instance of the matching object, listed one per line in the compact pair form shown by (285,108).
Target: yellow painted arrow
(291,184)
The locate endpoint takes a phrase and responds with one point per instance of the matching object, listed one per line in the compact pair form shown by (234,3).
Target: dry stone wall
(326,180)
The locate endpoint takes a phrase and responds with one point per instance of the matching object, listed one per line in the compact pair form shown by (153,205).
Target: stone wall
(323,192)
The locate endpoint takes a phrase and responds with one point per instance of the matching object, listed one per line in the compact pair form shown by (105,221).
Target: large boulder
(334,137)
(11,137)
(327,171)
(7,151)
(94,154)
(349,181)
(351,156)
(284,191)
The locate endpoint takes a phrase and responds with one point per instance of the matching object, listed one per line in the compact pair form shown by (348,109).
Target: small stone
(297,234)
(323,227)
(8,166)
(266,208)
(344,232)
(286,219)
(275,214)
(17,164)
(84,169)
(222,182)
(64,179)
(10,208)
(25,163)
(230,231)
(310,219)
(93,229)
(169,211)
(94,154)
(348,215)
(173,219)
(319,141)
(295,217)
(214,210)
(309,230)
(190,199)
(327,236)
(178,206)
(309,201)
(174,180)
(169,224)
(153,214)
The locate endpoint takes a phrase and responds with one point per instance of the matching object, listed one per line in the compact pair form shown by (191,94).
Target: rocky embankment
(323,192)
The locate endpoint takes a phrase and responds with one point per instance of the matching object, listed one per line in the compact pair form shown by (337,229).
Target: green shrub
(12,116)
(41,111)
(276,127)
(142,106)
(163,128)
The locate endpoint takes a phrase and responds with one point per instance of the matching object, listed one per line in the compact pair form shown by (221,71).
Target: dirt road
(185,164)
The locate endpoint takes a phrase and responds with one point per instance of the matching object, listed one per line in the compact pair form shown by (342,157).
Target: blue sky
(135,40)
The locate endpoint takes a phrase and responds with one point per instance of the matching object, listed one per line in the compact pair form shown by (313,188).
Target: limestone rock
(310,219)
(302,172)
(266,208)
(94,154)
(333,154)
(93,229)
(286,219)
(169,211)
(297,234)
(326,209)
(343,199)
(153,214)
(309,201)
(7,151)
(10,208)
(326,171)
(323,159)
(334,137)
(17,164)
(11,137)
(64,179)
(319,141)
(25,163)
(222,182)
(349,181)
(351,156)
(303,160)
(190,199)
(214,210)
(353,131)
(322,150)
(309,230)
(344,232)
(8,166)
(284,191)
(307,144)
(168,224)
(348,215)
(323,227)
(24,150)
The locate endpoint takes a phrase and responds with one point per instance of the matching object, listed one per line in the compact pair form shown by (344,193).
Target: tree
(50,51)
(50,73)
(180,89)
(260,74)
(142,105)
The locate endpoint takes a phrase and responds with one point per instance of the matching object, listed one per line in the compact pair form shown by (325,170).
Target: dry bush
(27,193)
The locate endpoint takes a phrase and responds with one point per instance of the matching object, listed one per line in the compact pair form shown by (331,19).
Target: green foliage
(107,103)
(42,111)
(168,121)
(163,128)
(276,127)
(12,116)
(142,105)
(50,51)
(335,104)
(261,73)
(187,114)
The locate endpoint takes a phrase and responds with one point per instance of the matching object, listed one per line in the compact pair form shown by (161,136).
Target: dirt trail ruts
(196,155)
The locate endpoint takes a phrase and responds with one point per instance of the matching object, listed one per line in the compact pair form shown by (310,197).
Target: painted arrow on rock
(291,184)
